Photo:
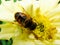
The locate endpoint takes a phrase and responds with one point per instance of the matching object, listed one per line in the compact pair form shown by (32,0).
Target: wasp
(25,20)
(38,30)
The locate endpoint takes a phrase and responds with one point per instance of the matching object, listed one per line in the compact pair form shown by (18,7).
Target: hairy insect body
(25,20)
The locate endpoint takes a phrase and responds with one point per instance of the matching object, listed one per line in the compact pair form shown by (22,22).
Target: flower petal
(47,5)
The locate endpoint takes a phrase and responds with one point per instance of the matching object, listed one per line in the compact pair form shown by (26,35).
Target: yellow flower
(46,11)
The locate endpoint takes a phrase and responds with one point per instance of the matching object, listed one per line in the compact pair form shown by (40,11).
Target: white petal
(46,5)
(8,9)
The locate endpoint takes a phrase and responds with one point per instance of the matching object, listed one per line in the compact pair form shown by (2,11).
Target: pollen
(44,30)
